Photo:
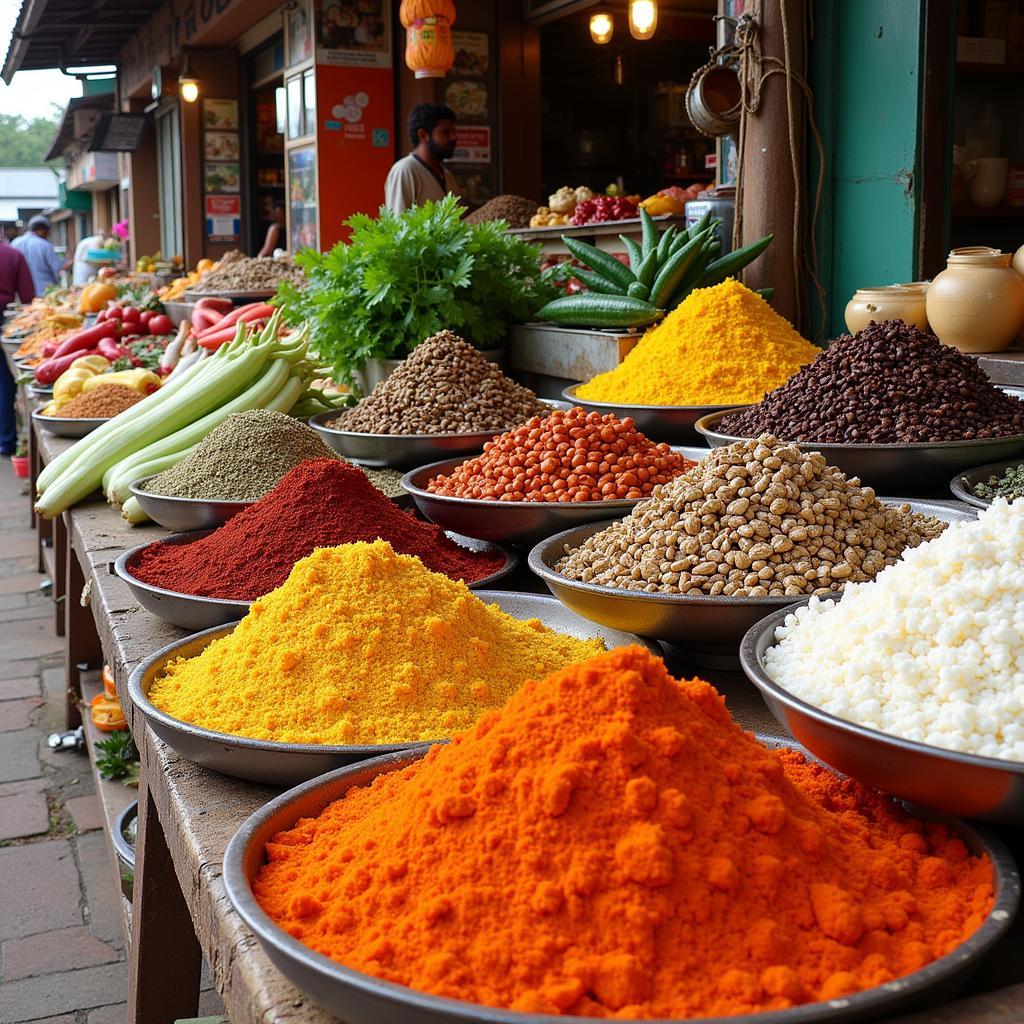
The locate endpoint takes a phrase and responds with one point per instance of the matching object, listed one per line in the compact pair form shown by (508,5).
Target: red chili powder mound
(611,844)
(319,504)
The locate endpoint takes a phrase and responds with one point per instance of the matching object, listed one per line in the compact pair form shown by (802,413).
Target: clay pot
(977,303)
(904,302)
(986,177)
(20,465)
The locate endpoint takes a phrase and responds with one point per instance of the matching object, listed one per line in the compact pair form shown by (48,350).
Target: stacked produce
(364,645)
(567,456)
(671,200)
(659,275)
(603,208)
(887,384)
(609,844)
(754,519)
(89,373)
(215,321)
(722,345)
(237,272)
(45,328)
(1010,485)
(514,210)
(445,387)
(931,650)
(100,403)
(318,504)
(175,291)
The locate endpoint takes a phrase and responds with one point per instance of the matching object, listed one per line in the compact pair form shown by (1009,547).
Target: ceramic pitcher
(986,180)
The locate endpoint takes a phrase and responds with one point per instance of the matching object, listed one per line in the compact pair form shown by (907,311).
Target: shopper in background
(422,174)
(82,271)
(275,233)
(43,262)
(15,280)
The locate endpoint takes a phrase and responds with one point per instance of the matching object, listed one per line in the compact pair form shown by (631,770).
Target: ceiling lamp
(602,27)
(643,18)
(188,83)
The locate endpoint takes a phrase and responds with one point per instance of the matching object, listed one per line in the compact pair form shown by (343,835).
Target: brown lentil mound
(754,519)
(445,387)
(515,210)
(101,403)
(887,384)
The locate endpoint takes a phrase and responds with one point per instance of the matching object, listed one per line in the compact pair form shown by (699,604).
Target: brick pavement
(62,955)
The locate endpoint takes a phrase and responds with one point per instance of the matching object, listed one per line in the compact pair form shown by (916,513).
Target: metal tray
(185,515)
(191,612)
(948,781)
(178,311)
(673,424)
(65,426)
(704,624)
(359,998)
(287,764)
(907,468)
(41,391)
(962,483)
(240,297)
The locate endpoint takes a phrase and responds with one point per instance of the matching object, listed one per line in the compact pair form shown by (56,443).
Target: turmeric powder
(721,346)
(610,844)
(362,645)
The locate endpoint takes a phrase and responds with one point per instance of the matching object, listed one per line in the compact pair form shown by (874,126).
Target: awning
(73,33)
(66,132)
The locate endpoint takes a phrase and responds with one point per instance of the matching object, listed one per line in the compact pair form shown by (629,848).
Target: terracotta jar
(977,303)
(904,302)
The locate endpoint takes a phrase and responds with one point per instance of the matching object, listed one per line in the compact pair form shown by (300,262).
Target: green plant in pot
(403,277)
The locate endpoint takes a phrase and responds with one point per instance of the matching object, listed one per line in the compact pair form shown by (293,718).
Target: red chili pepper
(109,349)
(215,339)
(48,372)
(214,304)
(86,339)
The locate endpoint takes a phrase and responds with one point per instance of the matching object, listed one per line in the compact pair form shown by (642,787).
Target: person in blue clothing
(15,280)
(43,262)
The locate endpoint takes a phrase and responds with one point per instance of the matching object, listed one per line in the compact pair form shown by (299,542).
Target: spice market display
(100,403)
(610,844)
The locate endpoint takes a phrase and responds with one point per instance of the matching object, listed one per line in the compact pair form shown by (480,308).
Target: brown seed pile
(445,387)
(887,384)
(516,210)
(101,403)
(237,272)
(754,519)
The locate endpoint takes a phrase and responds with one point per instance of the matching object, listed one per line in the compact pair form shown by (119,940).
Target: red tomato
(161,324)
(146,315)
(114,313)
(130,315)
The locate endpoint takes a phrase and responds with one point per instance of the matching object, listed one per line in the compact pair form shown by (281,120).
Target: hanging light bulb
(643,18)
(602,27)
(188,83)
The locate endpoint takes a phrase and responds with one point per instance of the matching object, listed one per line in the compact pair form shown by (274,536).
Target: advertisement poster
(353,33)
(471,54)
(222,178)
(472,144)
(302,209)
(467,99)
(220,145)
(300,33)
(223,218)
(220,115)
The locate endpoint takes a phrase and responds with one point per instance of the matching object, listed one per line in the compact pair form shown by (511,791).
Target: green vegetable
(672,273)
(403,277)
(118,758)
(650,232)
(600,311)
(648,269)
(636,254)
(733,262)
(766,293)
(667,237)
(638,290)
(595,282)
(600,262)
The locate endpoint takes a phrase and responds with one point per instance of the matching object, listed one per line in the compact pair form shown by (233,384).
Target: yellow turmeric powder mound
(361,645)
(721,346)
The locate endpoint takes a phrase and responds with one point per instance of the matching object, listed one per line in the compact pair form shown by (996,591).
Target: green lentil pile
(1009,486)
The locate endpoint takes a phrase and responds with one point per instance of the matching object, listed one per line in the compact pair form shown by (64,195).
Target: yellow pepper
(71,381)
(96,363)
(141,380)
(658,204)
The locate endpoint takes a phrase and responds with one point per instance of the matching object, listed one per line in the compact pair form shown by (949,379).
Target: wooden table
(187,816)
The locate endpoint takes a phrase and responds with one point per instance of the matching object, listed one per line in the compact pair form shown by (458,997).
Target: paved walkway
(61,940)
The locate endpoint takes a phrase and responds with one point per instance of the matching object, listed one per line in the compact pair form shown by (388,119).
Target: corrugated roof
(20,183)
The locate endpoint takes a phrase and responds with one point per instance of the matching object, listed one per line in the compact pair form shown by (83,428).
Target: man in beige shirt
(422,175)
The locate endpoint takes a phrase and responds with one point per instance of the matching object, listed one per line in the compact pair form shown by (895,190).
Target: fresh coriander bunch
(403,277)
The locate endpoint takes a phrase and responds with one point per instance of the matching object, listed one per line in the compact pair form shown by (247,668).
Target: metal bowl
(702,623)
(66,426)
(192,612)
(673,424)
(905,468)
(963,483)
(363,999)
(41,391)
(286,764)
(184,515)
(124,850)
(948,781)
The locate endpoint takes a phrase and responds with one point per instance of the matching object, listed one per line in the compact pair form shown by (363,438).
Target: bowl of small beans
(567,469)
(979,486)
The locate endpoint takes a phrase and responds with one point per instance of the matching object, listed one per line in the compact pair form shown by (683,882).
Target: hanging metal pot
(714,99)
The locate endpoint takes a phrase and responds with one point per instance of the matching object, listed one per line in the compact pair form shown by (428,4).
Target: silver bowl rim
(961,493)
(569,394)
(1005,880)
(121,845)
(758,675)
(121,568)
(46,421)
(42,390)
(137,487)
(705,427)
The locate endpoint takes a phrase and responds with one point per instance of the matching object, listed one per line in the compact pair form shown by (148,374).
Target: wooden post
(768,186)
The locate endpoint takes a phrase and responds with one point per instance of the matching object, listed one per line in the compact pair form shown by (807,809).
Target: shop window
(168,157)
(294,87)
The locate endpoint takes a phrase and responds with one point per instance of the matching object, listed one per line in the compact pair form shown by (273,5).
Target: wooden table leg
(81,641)
(165,958)
(35,465)
(60,552)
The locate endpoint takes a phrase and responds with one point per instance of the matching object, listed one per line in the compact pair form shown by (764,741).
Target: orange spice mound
(611,844)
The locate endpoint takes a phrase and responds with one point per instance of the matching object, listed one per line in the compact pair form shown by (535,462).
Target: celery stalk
(132,511)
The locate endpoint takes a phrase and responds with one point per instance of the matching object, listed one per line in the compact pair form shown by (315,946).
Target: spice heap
(100,403)
(1010,485)
(242,459)
(445,387)
(754,519)
(237,272)
(887,384)
(721,346)
(364,646)
(610,844)
(931,650)
(318,504)
(515,210)
(568,456)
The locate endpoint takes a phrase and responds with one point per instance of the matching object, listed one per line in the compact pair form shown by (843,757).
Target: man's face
(441,141)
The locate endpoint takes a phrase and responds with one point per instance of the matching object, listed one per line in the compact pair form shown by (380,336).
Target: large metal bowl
(923,468)
(185,515)
(359,998)
(704,624)
(948,781)
(191,612)
(673,424)
(66,426)
(963,483)
(286,764)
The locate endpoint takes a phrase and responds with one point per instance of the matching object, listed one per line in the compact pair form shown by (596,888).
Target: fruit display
(157,264)
(175,291)
(95,296)
(604,208)
(660,273)
(671,200)
(545,217)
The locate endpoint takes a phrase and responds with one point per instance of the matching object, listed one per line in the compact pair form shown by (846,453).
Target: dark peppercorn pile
(887,384)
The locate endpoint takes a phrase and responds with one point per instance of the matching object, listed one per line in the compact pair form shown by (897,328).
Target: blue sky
(31,92)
